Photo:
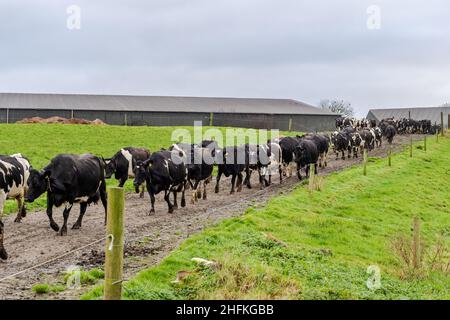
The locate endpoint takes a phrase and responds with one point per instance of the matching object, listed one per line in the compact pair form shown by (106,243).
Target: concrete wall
(305,123)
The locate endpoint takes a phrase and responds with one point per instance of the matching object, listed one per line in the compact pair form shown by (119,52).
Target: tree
(337,106)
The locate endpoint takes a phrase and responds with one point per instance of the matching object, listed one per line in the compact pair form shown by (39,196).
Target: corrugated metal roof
(423,113)
(155,103)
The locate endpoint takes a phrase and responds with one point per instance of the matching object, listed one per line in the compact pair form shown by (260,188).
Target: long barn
(431,113)
(283,114)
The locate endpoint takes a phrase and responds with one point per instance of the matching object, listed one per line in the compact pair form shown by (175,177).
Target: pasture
(319,245)
(302,244)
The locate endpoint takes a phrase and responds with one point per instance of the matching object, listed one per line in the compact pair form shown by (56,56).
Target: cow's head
(3,254)
(37,184)
(140,173)
(110,168)
(299,150)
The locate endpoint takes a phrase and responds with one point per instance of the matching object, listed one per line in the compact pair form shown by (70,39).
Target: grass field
(41,142)
(319,245)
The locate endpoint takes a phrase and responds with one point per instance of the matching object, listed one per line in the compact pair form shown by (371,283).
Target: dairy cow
(123,163)
(163,171)
(14,173)
(69,179)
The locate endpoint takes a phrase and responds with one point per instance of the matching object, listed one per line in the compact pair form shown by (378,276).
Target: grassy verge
(319,245)
(41,142)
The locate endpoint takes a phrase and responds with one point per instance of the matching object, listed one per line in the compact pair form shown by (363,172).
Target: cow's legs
(280,172)
(66,214)
(141,195)
(83,207)
(175,202)
(167,198)
(239,182)
(22,211)
(219,174)
(299,175)
(233,181)
(183,197)
(195,192)
(53,224)
(248,175)
(205,182)
(122,182)
(261,179)
(103,198)
(152,201)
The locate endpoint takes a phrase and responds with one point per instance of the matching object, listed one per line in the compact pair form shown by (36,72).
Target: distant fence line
(284,122)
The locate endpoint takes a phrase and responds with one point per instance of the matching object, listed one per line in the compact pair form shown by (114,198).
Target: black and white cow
(357,144)
(378,136)
(3,253)
(269,162)
(322,143)
(341,142)
(14,173)
(163,171)
(368,138)
(200,164)
(69,179)
(389,133)
(231,162)
(288,145)
(123,163)
(306,153)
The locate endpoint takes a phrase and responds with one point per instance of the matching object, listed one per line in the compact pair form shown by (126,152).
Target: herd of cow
(69,179)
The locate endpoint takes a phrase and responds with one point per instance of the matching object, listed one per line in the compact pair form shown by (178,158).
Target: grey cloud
(307,50)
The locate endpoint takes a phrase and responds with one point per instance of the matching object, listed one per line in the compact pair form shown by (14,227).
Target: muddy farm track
(148,238)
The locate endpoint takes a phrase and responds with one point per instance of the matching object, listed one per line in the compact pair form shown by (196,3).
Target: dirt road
(148,238)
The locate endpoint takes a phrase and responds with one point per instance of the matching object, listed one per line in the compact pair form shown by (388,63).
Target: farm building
(168,111)
(432,113)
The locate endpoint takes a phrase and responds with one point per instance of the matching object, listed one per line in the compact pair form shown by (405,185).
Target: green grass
(41,142)
(332,236)
(44,288)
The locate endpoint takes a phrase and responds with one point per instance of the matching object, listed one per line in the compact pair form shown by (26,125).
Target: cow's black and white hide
(269,163)
(69,179)
(3,253)
(349,122)
(200,173)
(357,144)
(368,139)
(378,137)
(163,171)
(231,162)
(322,143)
(341,142)
(389,133)
(306,153)
(14,173)
(123,164)
(288,145)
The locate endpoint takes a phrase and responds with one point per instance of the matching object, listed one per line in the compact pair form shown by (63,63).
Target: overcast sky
(307,50)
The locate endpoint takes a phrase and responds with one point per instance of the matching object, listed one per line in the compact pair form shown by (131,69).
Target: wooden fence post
(425,144)
(312,170)
(365,161)
(390,155)
(114,244)
(442,123)
(410,147)
(211,119)
(290,124)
